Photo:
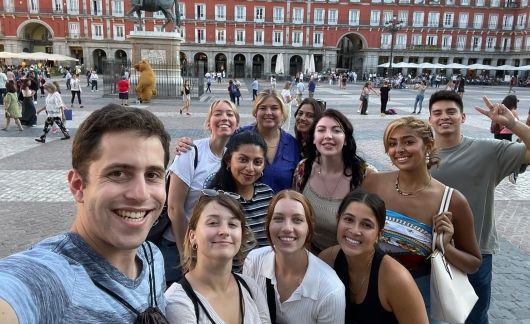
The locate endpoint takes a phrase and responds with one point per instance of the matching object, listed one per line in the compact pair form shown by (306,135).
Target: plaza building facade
(248,38)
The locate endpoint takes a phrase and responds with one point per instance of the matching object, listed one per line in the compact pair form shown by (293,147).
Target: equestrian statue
(166,6)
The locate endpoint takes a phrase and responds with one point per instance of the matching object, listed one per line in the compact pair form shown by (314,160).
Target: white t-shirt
(300,88)
(180,308)
(318,299)
(182,167)
(286,95)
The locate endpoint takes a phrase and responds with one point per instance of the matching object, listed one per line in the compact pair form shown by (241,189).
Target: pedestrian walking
(186,97)
(300,87)
(365,95)
(75,90)
(232,91)
(460,86)
(11,107)
(311,87)
(3,89)
(29,113)
(255,88)
(209,83)
(94,80)
(68,80)
(55,113)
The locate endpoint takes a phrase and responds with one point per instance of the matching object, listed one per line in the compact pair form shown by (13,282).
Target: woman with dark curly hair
(308,111)
(331,170)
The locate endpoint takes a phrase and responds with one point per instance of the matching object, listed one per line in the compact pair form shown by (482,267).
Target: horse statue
(166,6)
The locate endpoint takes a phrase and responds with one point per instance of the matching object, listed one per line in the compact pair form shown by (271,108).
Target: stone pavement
(36,203)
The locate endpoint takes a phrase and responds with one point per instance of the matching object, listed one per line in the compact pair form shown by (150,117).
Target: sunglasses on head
(215,193)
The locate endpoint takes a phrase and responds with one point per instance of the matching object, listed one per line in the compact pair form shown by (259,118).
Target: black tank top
(370,310)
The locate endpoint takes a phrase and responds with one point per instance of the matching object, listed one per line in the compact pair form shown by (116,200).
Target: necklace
(411,193)
(329,193)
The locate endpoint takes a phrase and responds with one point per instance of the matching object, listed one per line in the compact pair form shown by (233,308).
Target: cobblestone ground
(35,200)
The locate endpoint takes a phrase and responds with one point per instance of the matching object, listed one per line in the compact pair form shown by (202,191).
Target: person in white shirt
(300,287)
(94,80)
(300,90)
(210,292)
(187,180)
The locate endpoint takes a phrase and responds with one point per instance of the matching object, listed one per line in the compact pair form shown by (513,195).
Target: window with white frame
(464,2)
(220,36)
(478,21)
(419,1)
(57,6)
(318,19)
(401,41)
(387,16)
(527,42)
(353,17)
(376,1)
(355,0)
(493,21)
(258,37)
(417,40)
(33,6)
(200,35)
(278,15)
(332,16)
(97,31)
(240,13)
(506,43)
(375,16)
(138,27)
(9,5)
(72,7)
(491,41)
(524,3)
(73,30)
(448,19)
(240,37)
(461,42)
(159,29)
(507,22)
(404,1)
(417,19)
(446,42)
(403,17)
(386,40)
(298,15)
(494,3)
(449,2)
(479,3)
(119,32)
(97,7)
(117,8)
(476,43)
(521,21)
(200,11)
(158,14)
(297,38)
(463,20)
(277,38)
(433,20)
(182,10)
(259,14)
(318,39)
(431,40)
(220,12)
(517,43)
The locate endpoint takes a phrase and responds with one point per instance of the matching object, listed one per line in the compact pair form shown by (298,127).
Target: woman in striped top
(241,167)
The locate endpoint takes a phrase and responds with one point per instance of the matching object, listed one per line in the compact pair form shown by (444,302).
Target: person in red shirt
(123,91)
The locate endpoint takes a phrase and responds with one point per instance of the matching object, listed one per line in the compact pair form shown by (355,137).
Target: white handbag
(452,296)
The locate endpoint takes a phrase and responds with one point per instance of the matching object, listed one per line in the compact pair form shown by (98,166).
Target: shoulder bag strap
(444,206)
(271,301)
(194,299)
(243,282)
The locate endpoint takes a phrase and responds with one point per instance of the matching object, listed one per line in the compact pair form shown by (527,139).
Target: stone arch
(239,65)
(349,54)
(22,26)
(258,66)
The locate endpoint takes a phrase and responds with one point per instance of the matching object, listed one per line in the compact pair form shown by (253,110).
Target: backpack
(163,221)
(195,300)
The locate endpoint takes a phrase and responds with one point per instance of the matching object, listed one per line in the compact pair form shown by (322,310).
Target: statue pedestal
(162,51)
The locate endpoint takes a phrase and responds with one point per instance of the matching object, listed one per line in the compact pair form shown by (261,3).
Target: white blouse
(180,308)
(320,298)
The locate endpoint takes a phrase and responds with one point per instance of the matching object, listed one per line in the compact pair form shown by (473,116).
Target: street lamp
(393,27)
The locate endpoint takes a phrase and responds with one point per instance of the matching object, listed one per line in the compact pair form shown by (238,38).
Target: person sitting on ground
(119,156)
